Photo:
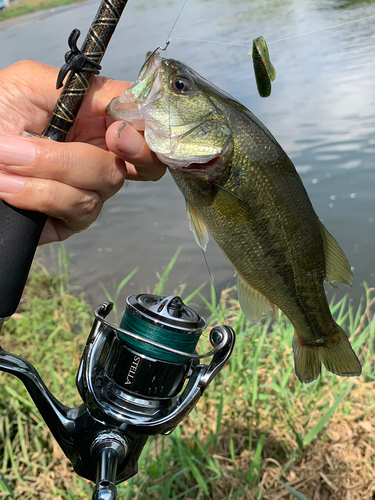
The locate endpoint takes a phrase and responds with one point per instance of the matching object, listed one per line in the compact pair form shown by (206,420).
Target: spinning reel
(136,380)
(133,385)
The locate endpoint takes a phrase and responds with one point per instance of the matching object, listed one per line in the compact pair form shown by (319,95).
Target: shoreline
(19,10)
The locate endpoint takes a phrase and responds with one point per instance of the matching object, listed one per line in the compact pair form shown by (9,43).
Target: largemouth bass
(241,187)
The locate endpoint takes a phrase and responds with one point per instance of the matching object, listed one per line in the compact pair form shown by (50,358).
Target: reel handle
(20,231)
(109,449)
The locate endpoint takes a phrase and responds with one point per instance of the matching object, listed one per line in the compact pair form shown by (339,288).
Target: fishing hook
(152,53)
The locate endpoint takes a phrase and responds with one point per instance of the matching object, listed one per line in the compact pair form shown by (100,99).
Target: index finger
(30,94)
(102,90)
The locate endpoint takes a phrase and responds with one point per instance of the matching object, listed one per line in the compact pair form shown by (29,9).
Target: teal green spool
(158,332)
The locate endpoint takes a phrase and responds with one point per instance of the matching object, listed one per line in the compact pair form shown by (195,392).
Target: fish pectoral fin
(231,206)
(253,303)
(337,267)
(197,226)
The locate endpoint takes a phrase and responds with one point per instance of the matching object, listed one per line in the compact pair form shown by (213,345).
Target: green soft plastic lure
(264,71)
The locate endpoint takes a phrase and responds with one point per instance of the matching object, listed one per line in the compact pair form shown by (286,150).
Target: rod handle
(20,232)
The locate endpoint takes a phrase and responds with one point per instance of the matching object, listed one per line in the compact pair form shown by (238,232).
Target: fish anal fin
(337,267)
(253,303)
(197,226)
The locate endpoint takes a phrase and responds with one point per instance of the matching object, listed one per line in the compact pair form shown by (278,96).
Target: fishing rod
(25,226)
(135,380)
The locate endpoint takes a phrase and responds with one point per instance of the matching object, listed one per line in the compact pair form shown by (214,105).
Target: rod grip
(20,231)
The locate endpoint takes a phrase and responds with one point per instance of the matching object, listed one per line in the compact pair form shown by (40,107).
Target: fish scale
(242,188)
(262,255)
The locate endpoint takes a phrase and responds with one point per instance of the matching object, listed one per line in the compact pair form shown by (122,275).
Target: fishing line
(211,278)
(161,334)
(322,29)
(211,41)
(278,40)
(177,18)
(169,38)
(179,176)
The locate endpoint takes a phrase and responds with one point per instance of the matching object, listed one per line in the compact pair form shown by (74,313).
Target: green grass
(257,433)
(28,6)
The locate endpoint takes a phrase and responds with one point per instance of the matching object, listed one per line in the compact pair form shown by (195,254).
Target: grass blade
(163,278)
(292,491)
(324,419)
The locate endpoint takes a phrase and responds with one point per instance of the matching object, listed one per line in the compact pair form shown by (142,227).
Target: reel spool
(147,370)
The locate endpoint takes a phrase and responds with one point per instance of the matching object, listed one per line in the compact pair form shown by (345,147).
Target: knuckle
(49,196)
(67,159)
(19,67)
(77,208)
(20,72)
(115,175)
(90,205)
(101,82)
(60,157)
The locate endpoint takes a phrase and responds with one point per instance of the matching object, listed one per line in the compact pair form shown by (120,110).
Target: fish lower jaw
(203,166)
(192,167)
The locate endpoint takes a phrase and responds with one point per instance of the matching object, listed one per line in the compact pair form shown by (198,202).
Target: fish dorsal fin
(336,263)
(253,303)
(197,226)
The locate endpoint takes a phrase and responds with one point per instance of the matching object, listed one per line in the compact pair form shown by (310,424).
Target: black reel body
(133,384)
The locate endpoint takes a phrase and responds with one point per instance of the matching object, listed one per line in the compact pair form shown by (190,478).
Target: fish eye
(181,84)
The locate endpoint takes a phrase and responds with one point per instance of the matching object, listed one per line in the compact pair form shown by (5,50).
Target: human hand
(68,181)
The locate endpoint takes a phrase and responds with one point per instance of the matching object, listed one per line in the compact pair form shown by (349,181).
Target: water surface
(322,111)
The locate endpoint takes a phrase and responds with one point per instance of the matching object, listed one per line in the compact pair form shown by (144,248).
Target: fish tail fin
(339,357)
(336,354)
(306,361)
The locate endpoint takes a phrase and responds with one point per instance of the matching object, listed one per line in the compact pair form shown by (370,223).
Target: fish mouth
(202,166)
(180,139)
(130,105)
(152,63)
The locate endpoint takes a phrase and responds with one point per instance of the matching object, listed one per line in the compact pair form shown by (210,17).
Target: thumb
(129,144)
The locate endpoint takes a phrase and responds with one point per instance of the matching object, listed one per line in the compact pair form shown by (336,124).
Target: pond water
(322,112)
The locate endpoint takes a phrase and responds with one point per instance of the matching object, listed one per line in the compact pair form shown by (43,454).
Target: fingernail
(129,140)
(10,183)
(16,151)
